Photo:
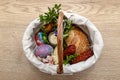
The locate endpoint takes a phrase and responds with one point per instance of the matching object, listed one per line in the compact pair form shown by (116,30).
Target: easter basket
(95,38)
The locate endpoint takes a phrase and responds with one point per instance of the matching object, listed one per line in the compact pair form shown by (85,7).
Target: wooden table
(15,15)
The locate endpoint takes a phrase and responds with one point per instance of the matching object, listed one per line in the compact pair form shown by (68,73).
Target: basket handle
(60,43)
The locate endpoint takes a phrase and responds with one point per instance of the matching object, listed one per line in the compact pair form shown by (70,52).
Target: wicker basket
(29,45)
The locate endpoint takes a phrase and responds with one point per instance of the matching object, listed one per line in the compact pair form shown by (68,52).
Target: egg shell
(52,38)
(55,55)
(40,36)
(43,50)
(38,42)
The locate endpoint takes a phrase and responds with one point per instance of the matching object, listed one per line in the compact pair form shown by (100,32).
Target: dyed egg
(38,42)
(55,32)
(40,36)
(52,38)
(43,37)
(43,50)
(55,55)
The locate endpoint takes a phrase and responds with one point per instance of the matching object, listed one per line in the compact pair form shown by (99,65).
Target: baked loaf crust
(79,39)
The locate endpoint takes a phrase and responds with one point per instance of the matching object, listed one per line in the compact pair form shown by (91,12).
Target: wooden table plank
(15,15)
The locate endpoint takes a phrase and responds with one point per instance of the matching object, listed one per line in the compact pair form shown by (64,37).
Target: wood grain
(60,43)
(15,15)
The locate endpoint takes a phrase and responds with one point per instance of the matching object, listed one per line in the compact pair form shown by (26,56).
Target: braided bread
(79,39)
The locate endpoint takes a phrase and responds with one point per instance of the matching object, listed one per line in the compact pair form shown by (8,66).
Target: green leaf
(49,9)
(68,26)
(45,38)
(65,36)
(51,15)
(69,58)
(64,44)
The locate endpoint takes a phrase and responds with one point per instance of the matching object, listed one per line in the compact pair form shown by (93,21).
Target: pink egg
(43,50)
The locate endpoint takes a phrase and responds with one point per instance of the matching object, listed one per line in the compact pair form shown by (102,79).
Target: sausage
(69,50)
(83,57)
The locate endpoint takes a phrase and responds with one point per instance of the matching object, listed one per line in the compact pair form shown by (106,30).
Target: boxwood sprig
(69,58)
(51,15)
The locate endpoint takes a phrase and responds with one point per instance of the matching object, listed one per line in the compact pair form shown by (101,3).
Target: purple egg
(55,32)
(43,50)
